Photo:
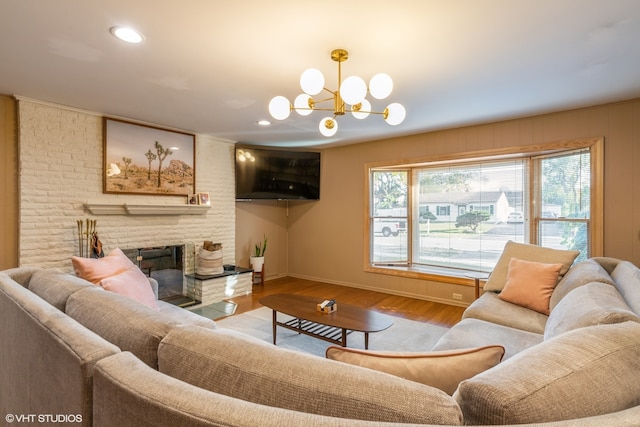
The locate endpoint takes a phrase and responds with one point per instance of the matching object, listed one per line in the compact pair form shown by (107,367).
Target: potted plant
(257,257)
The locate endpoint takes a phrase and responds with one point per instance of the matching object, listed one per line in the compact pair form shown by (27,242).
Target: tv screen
(277,174)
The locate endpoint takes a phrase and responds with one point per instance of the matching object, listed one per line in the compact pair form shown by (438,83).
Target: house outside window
(545,196)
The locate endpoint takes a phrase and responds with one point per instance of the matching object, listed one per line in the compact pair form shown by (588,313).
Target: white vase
(256,263)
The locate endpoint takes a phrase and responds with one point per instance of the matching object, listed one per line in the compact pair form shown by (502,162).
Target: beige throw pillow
(527,252)
(440,369)
(530,284)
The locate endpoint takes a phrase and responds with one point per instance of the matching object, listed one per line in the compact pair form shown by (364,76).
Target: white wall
(61,170)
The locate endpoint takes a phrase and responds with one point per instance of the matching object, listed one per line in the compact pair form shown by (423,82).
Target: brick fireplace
(61,168)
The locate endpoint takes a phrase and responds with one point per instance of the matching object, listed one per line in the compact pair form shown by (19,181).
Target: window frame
(456,276)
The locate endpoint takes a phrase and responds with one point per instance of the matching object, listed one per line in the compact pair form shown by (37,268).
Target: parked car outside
(389,227)
(515,217)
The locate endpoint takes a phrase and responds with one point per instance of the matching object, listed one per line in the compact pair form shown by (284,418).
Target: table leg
(275,320)
(344,337)
(366,340)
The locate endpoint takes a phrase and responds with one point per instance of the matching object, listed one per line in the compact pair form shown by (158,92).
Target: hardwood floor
(408,308)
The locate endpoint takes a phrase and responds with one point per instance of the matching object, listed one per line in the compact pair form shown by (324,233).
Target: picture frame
(203,199)
(192,199)
(144,159)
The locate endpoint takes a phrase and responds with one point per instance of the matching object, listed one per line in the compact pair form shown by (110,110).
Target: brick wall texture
(61,169)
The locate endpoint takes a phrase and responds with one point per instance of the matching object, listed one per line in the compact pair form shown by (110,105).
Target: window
(457,214)
(389,219)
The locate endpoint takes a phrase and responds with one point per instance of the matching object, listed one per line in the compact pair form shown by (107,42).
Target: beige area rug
(404,335)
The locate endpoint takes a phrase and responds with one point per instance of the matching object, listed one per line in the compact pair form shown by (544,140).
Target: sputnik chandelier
(352,92)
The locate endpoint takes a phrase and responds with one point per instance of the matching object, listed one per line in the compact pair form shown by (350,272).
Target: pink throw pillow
(96,269)
(133,284)
(116,273)
(530,284)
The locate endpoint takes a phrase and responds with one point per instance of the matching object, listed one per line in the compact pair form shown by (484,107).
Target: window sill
(434,274)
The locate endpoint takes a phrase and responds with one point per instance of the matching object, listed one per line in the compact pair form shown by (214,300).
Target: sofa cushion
(592,304)
(183,316)
(440,369)
(240,366)
(133,284)
(579,275)
(471,333)
(530,284)
(627,280)
(116,273)
(491,308)
(585,372)
(131,326)
(527,252)
(129,393)
(56,287)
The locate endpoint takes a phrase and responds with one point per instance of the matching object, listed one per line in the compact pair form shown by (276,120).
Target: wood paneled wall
(8,184)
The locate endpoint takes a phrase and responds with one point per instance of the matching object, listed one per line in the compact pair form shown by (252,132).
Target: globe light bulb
(395,114)
(328,126)
(280,108)
(361,111)
(353,90)
(301,104)
(380,86)
(312,81)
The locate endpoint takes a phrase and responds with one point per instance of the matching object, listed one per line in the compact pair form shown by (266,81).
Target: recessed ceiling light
(264,122)
(128,35)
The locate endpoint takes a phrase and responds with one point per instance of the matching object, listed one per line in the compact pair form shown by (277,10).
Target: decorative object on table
(209,260)
(257,258)
(351,91)
(192,199)
(89,244)
(142,159)
(327,306)
(203,199)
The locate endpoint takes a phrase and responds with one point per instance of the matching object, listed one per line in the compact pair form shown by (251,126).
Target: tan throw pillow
(440,369)
(116,273)
(530,284)
(527,252)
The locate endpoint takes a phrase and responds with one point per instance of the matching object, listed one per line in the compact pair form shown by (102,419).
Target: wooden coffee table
(332,327)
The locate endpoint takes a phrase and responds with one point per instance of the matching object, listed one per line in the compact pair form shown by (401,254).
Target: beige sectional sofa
(68,347)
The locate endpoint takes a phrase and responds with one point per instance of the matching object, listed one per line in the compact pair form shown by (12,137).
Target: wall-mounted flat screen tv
(277,174)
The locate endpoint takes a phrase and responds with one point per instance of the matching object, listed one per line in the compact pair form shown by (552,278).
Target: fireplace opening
(165,264)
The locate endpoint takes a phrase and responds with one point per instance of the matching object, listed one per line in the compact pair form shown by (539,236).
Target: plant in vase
(257,258)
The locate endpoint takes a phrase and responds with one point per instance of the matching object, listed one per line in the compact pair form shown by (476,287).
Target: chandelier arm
(325,100)
(314,109)
(362,111)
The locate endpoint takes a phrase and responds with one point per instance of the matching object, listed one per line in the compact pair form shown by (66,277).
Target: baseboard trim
(386,291)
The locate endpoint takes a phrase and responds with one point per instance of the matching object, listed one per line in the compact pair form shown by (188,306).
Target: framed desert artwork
(141,159)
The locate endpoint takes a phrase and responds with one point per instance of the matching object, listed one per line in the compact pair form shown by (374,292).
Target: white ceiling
(211,67)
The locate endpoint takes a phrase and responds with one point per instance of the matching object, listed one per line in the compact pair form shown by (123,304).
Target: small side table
(258,277)
(477,277)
